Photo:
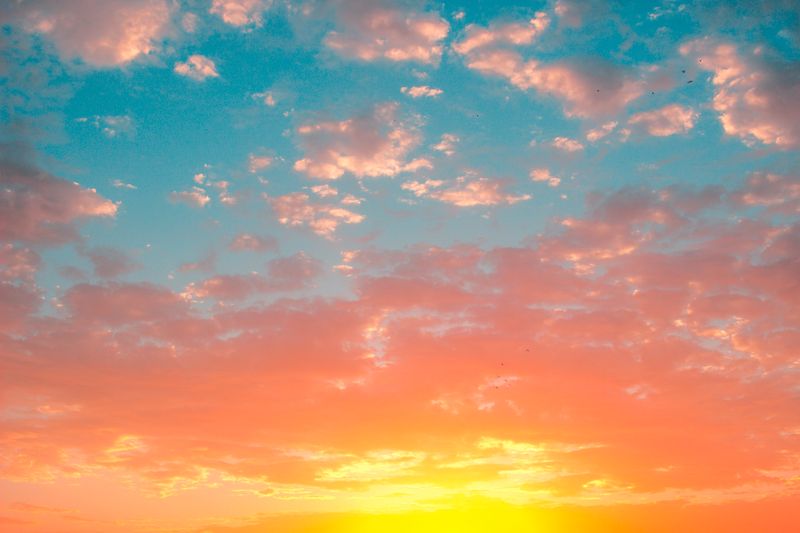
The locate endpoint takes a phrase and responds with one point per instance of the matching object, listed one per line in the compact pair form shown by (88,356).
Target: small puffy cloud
(466,191)
(370,32)
(256,163)
(112,125)
(197,67)
(420,91)
(324,190)
(297,209)
(544,175)
(266,97)
(195,197)
(101,34)
(370,145)
(601,131)
(565,144)
(447,144)
(252,243)
(119,184)
(756,100)
(240,12)
(38,207)
(668,120)
(514,33)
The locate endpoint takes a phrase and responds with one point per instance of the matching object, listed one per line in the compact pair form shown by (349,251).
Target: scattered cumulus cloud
(421,91)
(197,67)
(370,145)
(370,31)
(672,119)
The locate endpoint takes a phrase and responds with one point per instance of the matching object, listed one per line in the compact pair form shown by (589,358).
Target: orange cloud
(370,145)
(370,32)
(107,34)
(751,95)
(668,120)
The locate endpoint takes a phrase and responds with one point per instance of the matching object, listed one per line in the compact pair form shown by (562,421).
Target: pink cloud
(122,303)
(544,175)
(513,33)
(297,209)
(447,144)
(565,144)
(375,144)
(196,197)
(197,67)
(105,34)
(253,243)
(370,32)
(110,262)
(692,330)
(586,89)
(466,191)
(285,274)
(18,263)
(38,207)
(256,163)
(240,12)
(669,120)
(753,97)
(776,192)
(601,131)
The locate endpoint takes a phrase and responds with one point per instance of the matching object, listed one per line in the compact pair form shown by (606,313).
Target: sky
(289,265)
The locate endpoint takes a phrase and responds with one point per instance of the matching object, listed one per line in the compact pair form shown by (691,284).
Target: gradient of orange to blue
(388,265)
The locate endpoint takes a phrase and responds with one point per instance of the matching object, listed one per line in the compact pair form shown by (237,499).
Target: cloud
(466,191)
(284,274)
(197,67)
(514,33)
(601,131)
(370,145)
(421,91)
(544,175)
(101,34)
(240,12)
(253,243)
(40,208)
(370,32)
(112,125)
(258,162)
(688,311)
(586,88)
(18,264)
(119,184)
(196,197)
(297,209)
(447,144)
(123,303)
(109,262)
(778,193)
(565,144)
(753,97)
(668,120)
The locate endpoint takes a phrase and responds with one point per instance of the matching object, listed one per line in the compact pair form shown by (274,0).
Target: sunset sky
(356,266)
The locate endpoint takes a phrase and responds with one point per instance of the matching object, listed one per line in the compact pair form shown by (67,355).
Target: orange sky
(398,265)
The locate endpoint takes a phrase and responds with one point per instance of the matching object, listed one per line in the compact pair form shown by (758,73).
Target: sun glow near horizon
(398,265)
